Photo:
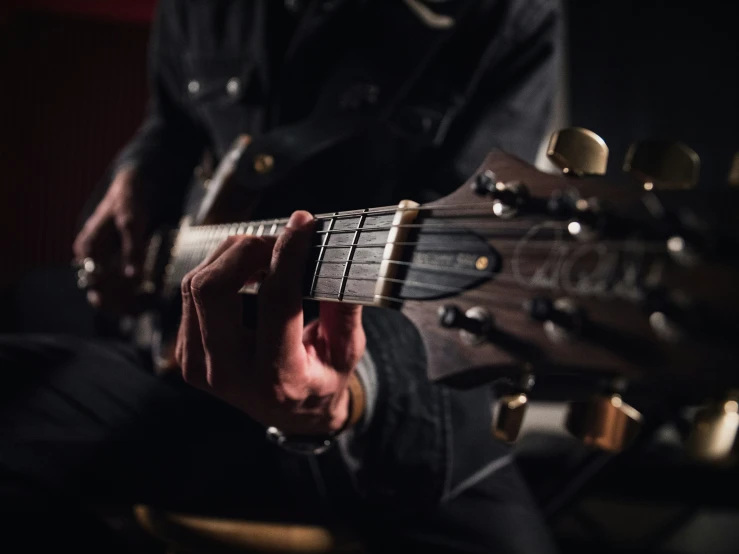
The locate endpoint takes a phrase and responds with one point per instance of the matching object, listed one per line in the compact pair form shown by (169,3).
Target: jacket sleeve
(169,142)
(507,101)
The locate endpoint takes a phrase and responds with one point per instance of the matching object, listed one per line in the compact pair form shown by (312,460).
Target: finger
(96,239)
(132,238)
(343,334)
(280,327)
(189,351)
(219,307)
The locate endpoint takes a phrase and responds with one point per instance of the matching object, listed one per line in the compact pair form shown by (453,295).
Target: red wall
(116,10)
(73,92)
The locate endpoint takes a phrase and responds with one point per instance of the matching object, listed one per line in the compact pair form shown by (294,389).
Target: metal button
(233,86)
(263,163)
(193,87)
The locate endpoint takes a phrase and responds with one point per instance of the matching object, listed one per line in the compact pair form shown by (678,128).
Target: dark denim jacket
(221,68)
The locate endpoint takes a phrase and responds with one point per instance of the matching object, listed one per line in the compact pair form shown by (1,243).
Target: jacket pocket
(214,81)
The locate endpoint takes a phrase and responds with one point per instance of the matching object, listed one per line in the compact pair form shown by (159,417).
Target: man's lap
(86,420)
(84,417)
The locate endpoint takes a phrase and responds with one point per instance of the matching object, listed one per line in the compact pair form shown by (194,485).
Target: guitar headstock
(520,274)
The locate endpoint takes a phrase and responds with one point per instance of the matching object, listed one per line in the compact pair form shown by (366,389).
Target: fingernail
(129,271)
(298,219)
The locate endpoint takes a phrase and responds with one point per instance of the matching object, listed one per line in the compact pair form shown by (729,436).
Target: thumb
(281,293)
(341,327)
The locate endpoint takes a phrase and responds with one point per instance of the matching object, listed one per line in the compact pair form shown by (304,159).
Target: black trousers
(84,426)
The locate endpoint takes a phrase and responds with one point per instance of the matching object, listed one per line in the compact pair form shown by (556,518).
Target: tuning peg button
(714,433)
(663,164)
(604,421)
(577,151)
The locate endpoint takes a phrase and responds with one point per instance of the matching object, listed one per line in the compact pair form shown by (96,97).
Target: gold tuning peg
(734,171)
(604,421)
(577,151)
(663,164)
(508,420)
(713,437)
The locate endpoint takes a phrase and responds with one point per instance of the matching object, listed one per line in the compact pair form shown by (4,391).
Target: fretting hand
(113,241)
(281,374)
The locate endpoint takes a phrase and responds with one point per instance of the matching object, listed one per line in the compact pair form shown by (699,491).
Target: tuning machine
(604,421)
(508,197)
(578,152)
(511,409)
(714,433)
(474,324)
(562,319)
(663,164)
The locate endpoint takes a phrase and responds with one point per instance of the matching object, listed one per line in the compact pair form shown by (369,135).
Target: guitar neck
(346,259)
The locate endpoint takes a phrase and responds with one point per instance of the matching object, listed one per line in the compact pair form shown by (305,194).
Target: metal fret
(260,231)
(274,228)
(350,255)
(321,253)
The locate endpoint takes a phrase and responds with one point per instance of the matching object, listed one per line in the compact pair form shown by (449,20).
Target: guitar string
(502,248)
(632,245)
(500,305)
(469,207)
(222,232)
(225,230)
(457,251)
(193,261)
(499,280)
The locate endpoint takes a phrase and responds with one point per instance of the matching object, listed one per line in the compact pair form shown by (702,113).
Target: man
(416,93)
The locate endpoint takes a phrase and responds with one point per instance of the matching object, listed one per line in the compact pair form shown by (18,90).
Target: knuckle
(233,239)
(202,285)
(291,393)
(282,245)
(186,283)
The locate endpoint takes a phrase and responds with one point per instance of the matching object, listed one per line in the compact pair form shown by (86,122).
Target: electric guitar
(522,275)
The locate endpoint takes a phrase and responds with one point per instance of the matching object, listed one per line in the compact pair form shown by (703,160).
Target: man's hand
(114,237)
(281,374)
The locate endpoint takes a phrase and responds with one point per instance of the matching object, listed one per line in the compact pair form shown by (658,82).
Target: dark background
(74,88)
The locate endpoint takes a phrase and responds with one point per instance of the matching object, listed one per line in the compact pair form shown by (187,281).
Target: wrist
(339,418)
(350,407)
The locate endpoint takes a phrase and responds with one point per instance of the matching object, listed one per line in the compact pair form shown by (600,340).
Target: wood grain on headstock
(601,275)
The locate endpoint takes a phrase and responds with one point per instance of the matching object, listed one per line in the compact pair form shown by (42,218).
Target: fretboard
(344,263)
